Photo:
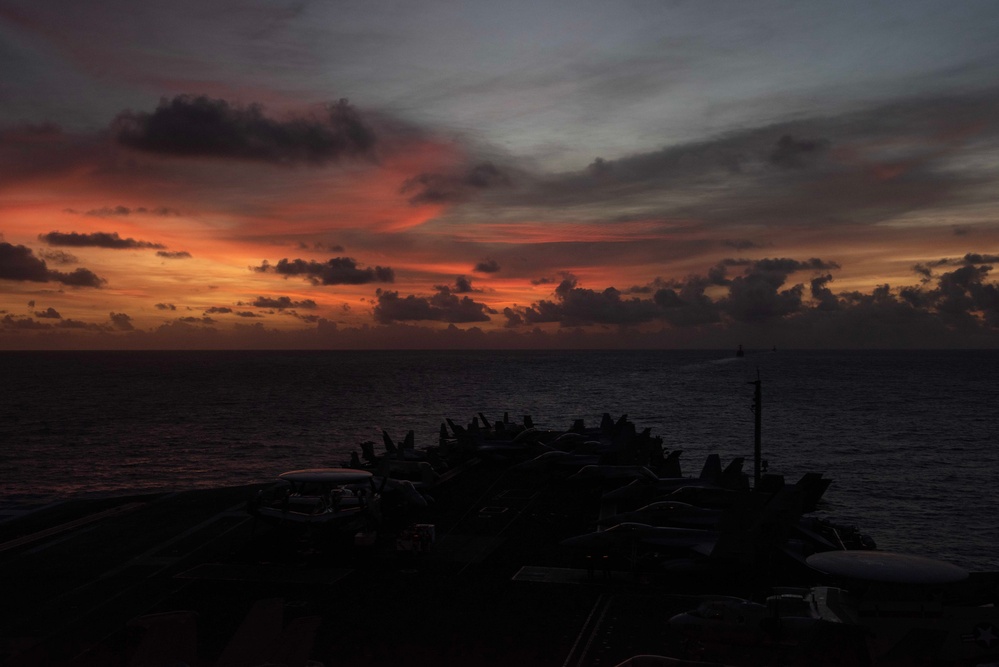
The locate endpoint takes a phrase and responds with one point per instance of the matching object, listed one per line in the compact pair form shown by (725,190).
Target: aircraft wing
(680,538)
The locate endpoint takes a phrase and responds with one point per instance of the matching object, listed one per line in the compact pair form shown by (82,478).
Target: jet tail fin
(732,477)
(606,424)
(813,485)
(389,445)
(457,430)
(712,470)
(671,466)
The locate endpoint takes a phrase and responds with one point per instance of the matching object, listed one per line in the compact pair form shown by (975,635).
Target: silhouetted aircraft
(339,499)
(811,486)
(558,460)
(743,536)
(896,609)
(667,513)
(644,489)
(613,473)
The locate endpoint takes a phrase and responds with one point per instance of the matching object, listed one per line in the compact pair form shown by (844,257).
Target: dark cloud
(122,211)
(11,323)
(777,269)
(77,325)
(57,256)
(925,269)
(281,303)
(822,295)
(741,244)
(758,295)
(165,306)
(959,291)
(577,306)
(18,263)
(122,322)
(870,165)
(48,313)
(462,285)
(246,313)
(199,126)
(95,240)
(791,153)
(513,318)
(321,246)
(437,188)
(444,306)
(487,266)
(218,310)
(180,254)
(547,280)
(687,305)
(335,271)
(976,258)
(964,293)
(108,212)
(962,302)
(782,265)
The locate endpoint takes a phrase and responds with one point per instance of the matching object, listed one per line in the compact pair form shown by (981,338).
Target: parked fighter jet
(742,537)
(811,486)
(644,489)
(557,460)
(667,513)
(612,473)
(896,610)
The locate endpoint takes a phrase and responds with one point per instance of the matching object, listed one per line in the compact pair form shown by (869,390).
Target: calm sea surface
(908,438)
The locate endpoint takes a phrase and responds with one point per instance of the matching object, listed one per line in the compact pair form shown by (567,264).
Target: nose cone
(680,620)
(587,541)
(685,624)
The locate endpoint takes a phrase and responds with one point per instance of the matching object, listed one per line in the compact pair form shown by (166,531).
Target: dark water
(909,438)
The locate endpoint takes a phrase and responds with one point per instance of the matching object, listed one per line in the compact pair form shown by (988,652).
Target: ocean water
(908,438)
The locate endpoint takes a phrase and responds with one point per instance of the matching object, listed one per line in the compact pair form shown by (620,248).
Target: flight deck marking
(69,525)
(136,561)
(588,632)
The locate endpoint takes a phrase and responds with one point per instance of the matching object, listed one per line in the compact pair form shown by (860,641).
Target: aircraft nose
(577,541)
(685,624)
(598,540)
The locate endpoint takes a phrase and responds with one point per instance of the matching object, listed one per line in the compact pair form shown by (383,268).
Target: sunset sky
(374,174)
